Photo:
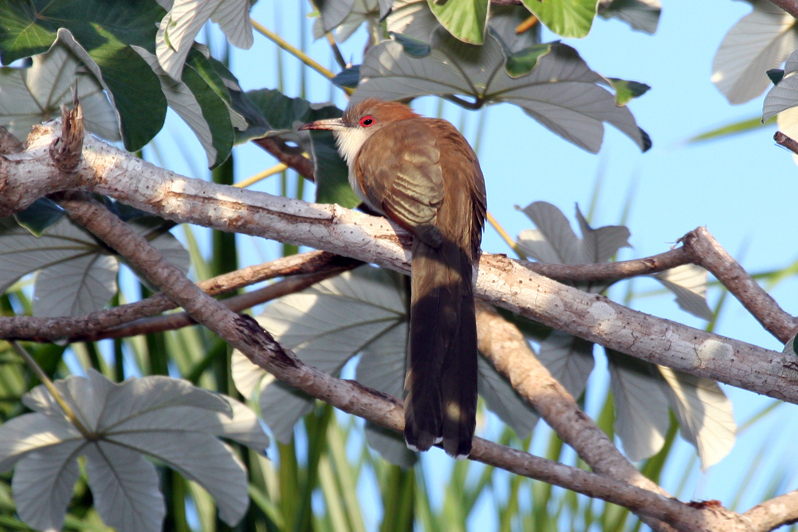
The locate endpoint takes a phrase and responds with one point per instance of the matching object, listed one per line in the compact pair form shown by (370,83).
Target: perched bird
(422,174)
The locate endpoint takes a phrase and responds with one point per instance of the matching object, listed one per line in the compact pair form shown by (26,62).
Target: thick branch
(778,511)
(506,348)
(501,281)
(246,335)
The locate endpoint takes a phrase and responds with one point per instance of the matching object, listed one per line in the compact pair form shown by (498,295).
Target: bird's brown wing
(400,173)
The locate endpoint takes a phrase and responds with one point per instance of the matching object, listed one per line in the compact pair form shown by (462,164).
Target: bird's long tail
(441,381)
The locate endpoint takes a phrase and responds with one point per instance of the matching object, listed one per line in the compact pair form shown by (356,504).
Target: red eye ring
(366,121)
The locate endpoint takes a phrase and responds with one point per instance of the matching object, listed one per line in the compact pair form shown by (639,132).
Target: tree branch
(111,323)
(237,303)
(503,345)
(245,334)
(778,511)
(705,251)
(504,282)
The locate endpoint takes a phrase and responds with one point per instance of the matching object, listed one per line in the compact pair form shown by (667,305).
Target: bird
(422,174)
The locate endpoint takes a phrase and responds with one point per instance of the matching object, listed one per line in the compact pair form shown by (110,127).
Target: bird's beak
(331,124)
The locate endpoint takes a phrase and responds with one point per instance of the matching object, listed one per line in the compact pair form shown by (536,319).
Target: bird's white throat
(349,142)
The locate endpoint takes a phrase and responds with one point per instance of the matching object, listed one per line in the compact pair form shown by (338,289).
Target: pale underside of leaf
(77,277)
(783,97)
(504,401)
(382,367)
(183,22)
(361,11)
(569,359)
(554,242)
(66,37)
(787,120)
(43,484)
(325,325)
(641,405)
(561,92)
(75,287)
(704,414)
(333,12)
(202,458)
(35,94)
(641,15)
(689,283)
(600,245)
(758,42)
(125,488)
(412,18)
(29,432)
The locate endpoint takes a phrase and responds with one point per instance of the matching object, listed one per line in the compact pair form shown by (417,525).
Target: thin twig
(42,376)
(91,326)
(239,303)
(339,58)
(705,251)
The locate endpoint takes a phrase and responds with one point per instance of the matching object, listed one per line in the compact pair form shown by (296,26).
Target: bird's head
(359,122)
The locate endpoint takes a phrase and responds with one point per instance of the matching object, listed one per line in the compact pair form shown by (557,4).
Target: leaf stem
(296,52)
(506,237)
(464,103)
(68,412)
(339,58)
(276,169)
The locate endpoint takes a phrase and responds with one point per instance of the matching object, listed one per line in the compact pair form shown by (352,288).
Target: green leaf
(101,33)
(735,128)
(567,18)
(521,63)
(40,215)
(626,90)
(465,19)
(198,103)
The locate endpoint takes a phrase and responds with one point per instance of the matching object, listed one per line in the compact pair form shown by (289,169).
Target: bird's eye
(366,121)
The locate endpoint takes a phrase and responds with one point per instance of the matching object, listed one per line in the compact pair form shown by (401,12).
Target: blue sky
(741,188)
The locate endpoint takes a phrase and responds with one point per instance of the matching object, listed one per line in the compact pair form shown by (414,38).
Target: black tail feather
(441,381)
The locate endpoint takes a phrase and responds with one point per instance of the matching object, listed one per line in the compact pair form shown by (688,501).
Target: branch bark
(501,281)
(113,323)
(245,334)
